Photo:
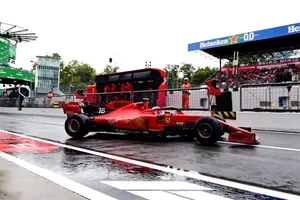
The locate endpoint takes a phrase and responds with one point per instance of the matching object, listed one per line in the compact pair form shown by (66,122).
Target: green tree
(110,69)
(172,75)
(187,70)
(56,55)
(202,74)
(247,60)
(34,65)
(66,75)
(86,73)
(76,73)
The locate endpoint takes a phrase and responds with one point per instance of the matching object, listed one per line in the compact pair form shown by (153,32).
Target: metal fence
(275,97)
(37,102)
(199,99)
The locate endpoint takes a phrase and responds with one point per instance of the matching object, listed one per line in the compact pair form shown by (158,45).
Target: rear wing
(71,108)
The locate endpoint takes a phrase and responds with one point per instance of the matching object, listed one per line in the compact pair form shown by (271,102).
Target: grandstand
(270,86)
(279,46)
(276,71)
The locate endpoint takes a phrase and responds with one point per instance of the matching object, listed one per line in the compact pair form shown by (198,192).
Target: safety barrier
(198,99)
(56,104)
(37,102)
(274,97)
(227,114)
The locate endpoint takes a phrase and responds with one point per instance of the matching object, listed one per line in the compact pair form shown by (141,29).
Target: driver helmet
(155,107)
(186,79)
(158,111)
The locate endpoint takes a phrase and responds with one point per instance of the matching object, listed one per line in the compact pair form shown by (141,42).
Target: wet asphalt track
(276,169)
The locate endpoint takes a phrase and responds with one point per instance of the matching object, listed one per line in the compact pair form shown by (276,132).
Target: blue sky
(135,31)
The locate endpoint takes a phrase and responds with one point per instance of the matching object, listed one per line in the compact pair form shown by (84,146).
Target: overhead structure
(16,33)
(10,36)
(278,39)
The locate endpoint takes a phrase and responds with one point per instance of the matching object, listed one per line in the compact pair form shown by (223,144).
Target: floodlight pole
(235,63)
(220,73)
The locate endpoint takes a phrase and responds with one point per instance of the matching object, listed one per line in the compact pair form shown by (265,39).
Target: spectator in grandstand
(261,75)
(185,93)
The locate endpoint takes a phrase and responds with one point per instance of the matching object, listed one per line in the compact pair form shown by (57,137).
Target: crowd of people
(261,75)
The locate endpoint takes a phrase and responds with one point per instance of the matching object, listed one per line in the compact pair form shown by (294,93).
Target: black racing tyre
(221,119)
(77,125)
(207,130)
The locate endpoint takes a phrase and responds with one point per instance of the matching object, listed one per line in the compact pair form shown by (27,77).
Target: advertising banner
(12,52)
(4,50)
(15,73)
(246,37)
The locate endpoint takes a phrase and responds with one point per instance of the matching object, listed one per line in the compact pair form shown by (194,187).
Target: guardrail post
(208,99)
(241,98)
(297,97)
(266,98)
(270,96)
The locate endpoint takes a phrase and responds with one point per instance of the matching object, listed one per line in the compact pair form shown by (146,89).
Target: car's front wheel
(221,119)
(77,125)
(207,130)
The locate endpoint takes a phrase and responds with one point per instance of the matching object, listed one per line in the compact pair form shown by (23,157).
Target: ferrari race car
(138,118)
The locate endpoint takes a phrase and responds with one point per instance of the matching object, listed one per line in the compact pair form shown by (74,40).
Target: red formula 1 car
(138,118)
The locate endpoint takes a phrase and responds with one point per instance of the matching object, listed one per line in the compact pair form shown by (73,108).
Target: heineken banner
(4,50)
(15,73)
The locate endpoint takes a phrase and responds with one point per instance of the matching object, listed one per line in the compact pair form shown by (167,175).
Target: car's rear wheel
(207,130)
(78,125)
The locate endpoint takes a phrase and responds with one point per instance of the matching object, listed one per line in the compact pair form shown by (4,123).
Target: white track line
(58,179)
(261,146)
(189,174)
(33,121)
(276,132)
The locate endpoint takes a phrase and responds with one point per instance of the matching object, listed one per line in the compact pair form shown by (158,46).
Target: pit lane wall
(269,121)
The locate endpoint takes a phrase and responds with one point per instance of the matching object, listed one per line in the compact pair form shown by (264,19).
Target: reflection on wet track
(95,171)
(259,166)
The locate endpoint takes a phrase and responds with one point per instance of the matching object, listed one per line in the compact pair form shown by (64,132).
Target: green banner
(12,52)
(15,73)
(4,50)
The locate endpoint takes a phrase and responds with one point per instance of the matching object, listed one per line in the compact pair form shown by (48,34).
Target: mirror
(80,92)
(24,91)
